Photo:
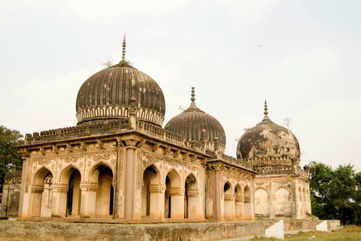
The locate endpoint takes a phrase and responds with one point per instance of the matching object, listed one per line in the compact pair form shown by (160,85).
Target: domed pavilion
(118,162)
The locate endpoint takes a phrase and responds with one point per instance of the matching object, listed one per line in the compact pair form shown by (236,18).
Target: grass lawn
(348,233)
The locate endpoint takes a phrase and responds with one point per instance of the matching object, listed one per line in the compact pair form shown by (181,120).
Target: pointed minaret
(124,45)
(265,111)
(193,98)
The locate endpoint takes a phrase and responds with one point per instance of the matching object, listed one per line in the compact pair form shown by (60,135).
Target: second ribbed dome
(196,125)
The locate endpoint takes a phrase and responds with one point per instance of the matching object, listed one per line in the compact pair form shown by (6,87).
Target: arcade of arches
(120,160)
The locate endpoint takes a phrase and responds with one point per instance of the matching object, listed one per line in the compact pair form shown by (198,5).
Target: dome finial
(193,96)
(265,110)
(124,45)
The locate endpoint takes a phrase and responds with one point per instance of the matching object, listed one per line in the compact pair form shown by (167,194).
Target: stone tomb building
(119,162)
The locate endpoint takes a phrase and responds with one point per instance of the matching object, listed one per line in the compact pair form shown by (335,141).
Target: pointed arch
(151,190)
(41,193)
(101,175)
(40,175)
(173,195)
(191,197)
(66,172)
(94,171)
(228,200)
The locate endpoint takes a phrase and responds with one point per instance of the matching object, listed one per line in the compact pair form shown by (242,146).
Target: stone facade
(119,163)
(132,174)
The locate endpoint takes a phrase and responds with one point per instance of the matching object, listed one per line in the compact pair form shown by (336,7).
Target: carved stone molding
(155,188)
(228,197)
(193,193)
(37,189)
(89,187)
(176,191)
(60,188)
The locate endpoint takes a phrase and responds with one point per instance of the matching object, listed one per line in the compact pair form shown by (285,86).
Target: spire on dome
(124,45)
(265,110)
(193,95)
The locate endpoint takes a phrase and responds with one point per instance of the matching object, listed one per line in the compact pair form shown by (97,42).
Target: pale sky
(303,56)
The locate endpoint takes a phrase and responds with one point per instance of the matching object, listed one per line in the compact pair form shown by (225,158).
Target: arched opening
(173,196)
(42,193)
(102,175)
(247,202)
(190,197)
(238,201)
(150,192)
(262,203)
(73,194)
(228,201)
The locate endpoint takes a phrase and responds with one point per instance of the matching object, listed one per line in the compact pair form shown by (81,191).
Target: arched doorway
(151,192)
(228,200)
(173,196)
(73,194)
(102,176)
(191,200)
(42,193)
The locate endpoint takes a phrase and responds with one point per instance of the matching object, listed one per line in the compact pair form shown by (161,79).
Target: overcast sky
(303,56)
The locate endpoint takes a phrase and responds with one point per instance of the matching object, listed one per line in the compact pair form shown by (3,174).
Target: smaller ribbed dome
(268,140)
(196,125)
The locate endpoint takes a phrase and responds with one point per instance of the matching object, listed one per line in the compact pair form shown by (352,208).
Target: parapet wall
(55,231)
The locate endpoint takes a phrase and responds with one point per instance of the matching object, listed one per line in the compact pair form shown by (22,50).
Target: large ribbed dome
(268,140)
(108,93)
(196,125)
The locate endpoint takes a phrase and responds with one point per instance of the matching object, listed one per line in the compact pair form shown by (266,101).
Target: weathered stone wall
(59,231)
(51,231)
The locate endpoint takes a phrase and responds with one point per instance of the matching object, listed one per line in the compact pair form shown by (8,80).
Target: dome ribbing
(196,126)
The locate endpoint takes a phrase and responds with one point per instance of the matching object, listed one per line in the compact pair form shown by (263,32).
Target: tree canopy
(9,156)
(336,194)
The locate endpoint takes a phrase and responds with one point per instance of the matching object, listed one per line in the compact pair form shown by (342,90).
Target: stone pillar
(194,207)
(4,200)
(177,202)
(88,199)
(228,206)
(131,191)
(46,201)
(156,201)
(238,206)
(214,209)
(36,195)
(271,199)
(59,200)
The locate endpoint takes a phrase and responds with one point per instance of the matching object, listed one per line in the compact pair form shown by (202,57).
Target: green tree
(336,194)
(9,156)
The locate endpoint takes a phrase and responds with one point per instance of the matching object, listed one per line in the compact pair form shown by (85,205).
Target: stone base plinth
(93,230)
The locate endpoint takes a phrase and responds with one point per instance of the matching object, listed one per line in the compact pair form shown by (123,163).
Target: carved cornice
(88,187)
(155,188)
(176,191)
(37,188)
(60,188)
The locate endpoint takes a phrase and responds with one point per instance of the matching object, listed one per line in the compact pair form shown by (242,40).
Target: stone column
(194,205)
(59,200)
(177,202)
(131,191)
(228,206)
(45,201)
(238,206)
(156,201)
(88,199)
(36,195)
